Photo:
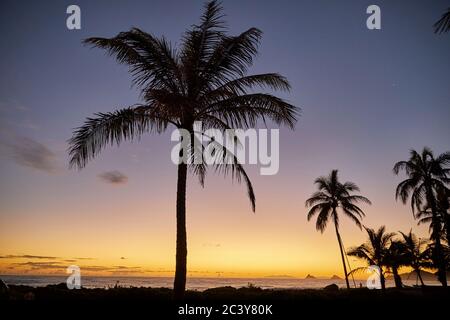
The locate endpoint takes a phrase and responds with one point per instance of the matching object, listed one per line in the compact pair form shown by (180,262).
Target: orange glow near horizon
(228,242)
(366,96)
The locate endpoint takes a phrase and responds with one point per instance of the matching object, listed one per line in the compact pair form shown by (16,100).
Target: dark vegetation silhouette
(428,176)
(376,251)
(415,253)
(425,216)
(427,188)
(395,259)
(331,196)
(205,79)
(391,251)
(443,24)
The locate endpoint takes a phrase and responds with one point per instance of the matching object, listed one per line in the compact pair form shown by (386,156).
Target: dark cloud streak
(29,153)
(113,177)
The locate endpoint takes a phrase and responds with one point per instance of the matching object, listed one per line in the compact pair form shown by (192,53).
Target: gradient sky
(367,97)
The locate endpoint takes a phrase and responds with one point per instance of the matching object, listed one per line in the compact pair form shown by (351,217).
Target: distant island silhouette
(426,276)
(335,277)
(310,277)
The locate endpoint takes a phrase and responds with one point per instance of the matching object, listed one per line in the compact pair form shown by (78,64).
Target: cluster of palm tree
(389,254)
(427,187)
(206,80)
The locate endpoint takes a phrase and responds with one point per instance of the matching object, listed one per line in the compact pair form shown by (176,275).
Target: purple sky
(367,97)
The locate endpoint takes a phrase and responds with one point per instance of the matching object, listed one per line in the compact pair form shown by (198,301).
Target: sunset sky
(367,97)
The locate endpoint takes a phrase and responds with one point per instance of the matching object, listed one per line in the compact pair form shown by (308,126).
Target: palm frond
(231,58)
(111,128)
(443,24)
(351,214)
(244,84)
(227,164)
(315,209)
(244,111)
(317,197)
(322,218)
(153,63)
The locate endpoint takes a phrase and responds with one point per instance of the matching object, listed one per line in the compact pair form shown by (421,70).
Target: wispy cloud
(34,257)
(60,266)
(27,256)
(47,265)
(113,177)
(41,264)
(32,154)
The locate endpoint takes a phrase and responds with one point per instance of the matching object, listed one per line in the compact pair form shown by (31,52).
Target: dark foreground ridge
(224,302)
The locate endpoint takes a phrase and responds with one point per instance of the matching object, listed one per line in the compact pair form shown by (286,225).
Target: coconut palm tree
(395,259)
(375,251)
(443,208)
(426,175)
(425,216)
(415,253)
(205,79)
(332,195)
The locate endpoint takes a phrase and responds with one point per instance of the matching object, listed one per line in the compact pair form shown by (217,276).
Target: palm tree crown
(333,194)
(395,259)
(415,252)
(205,80)
(376,250)
(425,173)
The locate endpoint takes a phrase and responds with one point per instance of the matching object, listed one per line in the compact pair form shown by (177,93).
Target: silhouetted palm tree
(426,175)
(443,24)
(375,251)
(425,216)
(443,207)
(203,80)
(395,259)
(416,254)
(332,195)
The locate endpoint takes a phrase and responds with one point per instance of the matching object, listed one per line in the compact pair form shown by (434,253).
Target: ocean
(192,283)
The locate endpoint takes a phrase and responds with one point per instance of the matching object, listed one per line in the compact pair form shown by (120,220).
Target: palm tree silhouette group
(206,79)
(428,177)
(426,187)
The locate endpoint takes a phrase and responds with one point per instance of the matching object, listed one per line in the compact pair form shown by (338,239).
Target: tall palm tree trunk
(438,256)
(447,228)
(382,280)
(181,254)
(419,275)
(397,278)
(342,255)
(442,272)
